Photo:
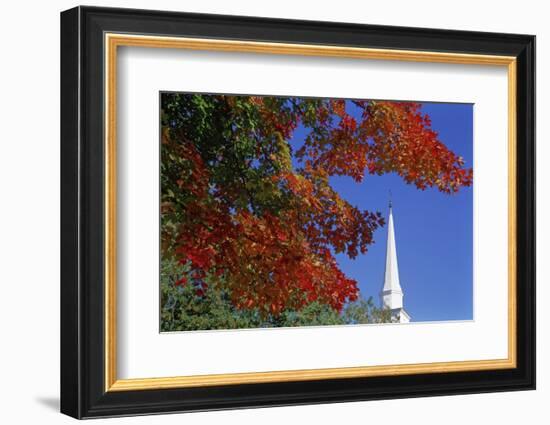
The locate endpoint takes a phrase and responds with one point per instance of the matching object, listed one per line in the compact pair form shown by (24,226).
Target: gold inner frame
(113,41)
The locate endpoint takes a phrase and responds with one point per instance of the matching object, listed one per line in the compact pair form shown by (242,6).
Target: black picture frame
(83,392)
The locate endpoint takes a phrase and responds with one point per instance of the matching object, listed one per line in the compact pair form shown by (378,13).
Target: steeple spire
(391,274)
(391,295)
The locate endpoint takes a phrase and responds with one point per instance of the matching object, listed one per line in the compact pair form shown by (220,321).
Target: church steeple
(391,295)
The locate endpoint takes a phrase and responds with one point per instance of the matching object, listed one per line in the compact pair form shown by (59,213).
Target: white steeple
(391,295)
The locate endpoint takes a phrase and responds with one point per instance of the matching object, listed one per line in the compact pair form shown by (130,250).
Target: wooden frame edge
(306,375)
(114,40)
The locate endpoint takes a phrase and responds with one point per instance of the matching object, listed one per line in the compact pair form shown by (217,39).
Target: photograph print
(299,211)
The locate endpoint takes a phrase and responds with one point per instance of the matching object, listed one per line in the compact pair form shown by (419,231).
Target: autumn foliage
(260,219)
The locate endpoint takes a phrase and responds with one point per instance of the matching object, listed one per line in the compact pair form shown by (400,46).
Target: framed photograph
(261,212)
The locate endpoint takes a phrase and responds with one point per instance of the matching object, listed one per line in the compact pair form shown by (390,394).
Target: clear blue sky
(433,231)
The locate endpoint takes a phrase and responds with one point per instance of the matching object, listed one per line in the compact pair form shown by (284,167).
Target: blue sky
(434,234)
